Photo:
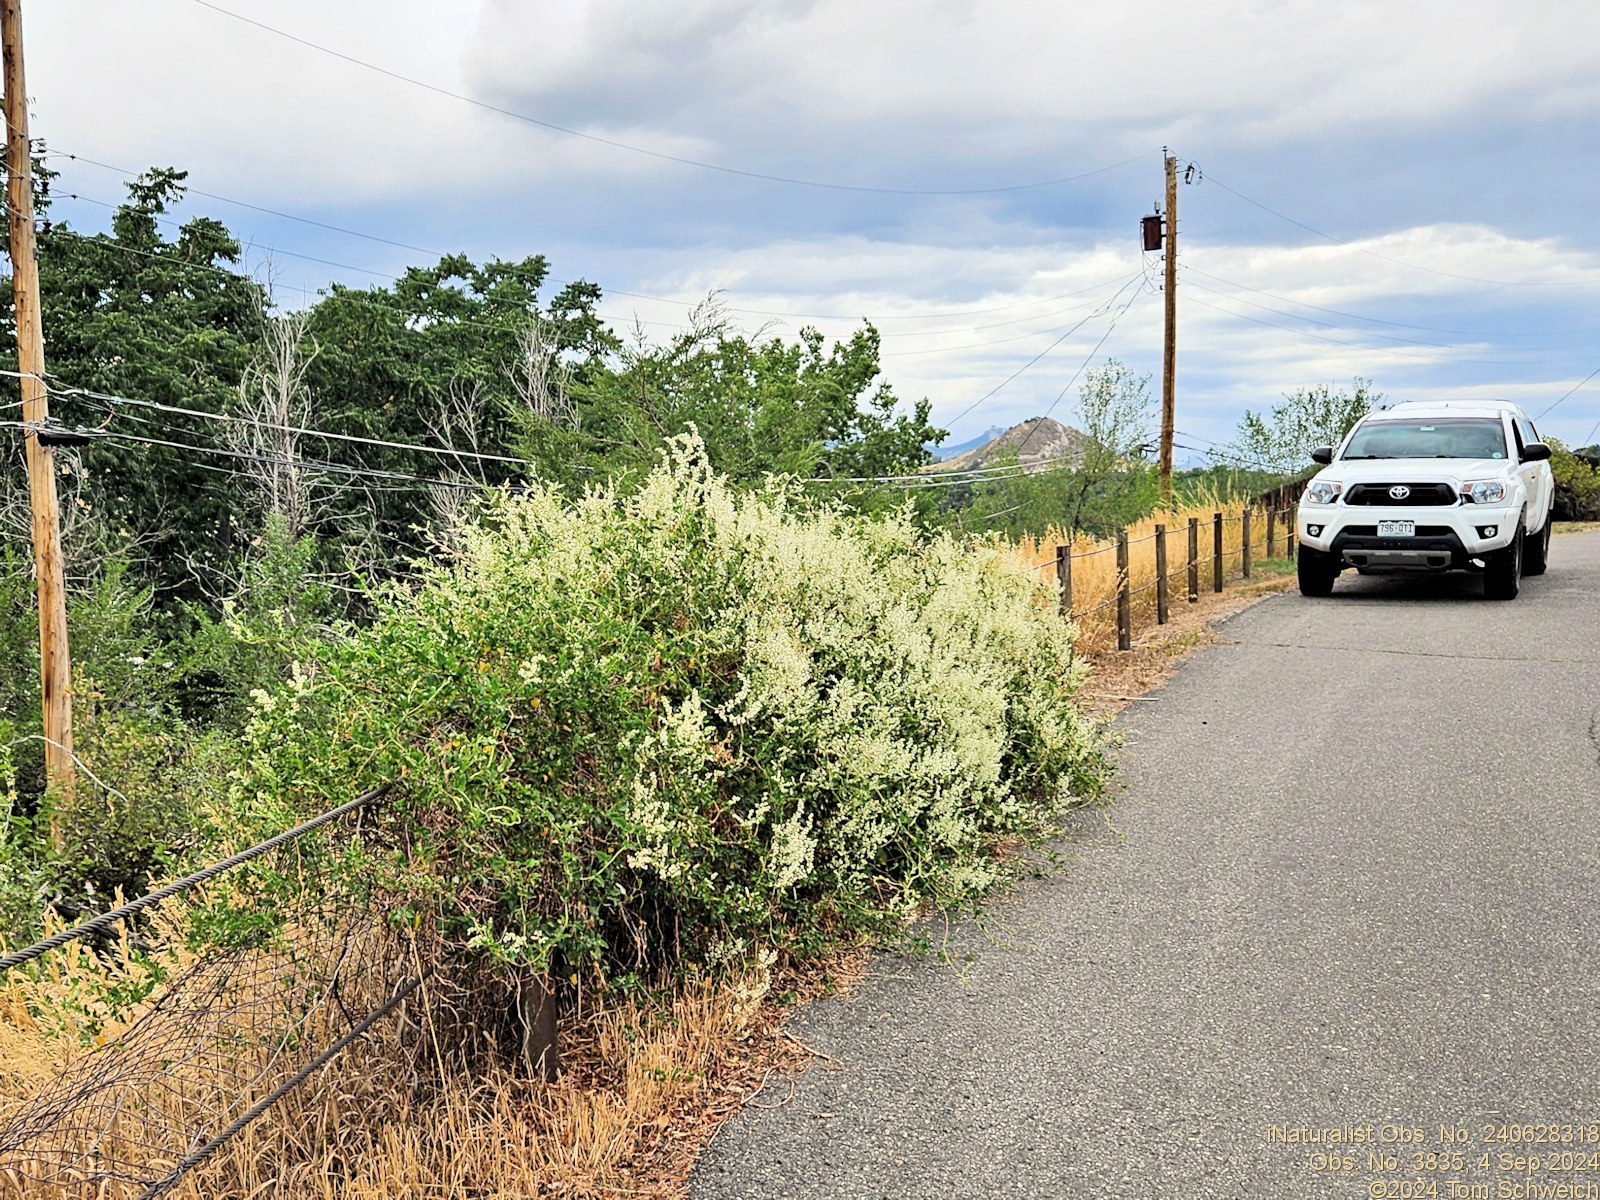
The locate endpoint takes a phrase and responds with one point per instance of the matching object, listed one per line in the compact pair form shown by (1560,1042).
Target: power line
(612,291)
(1362,249)
(1338,342)
(345,293)
(271,212)
(118,401)
(1313,321)
(302,463)
(1002,341)
(295,429)
(1188,268)
(939,478)
(394,279)
(960,416)
(1228,459)
(1081,368)
(657,154)
(1569,392)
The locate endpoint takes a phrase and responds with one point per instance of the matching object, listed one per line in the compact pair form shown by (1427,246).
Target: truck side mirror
(1322,454)
(1535,452)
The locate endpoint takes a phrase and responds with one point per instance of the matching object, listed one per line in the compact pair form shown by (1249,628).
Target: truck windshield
(1444,437)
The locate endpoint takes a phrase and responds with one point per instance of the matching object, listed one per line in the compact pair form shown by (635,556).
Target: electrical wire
(248,456)
(1353,345)
(1551,407)
(1364,250)
(975,474)
(295,429)
(1337,312)
(1081,368)
(657,154)
(938,479)
(1313,321)
(992,391)
(1003,341)
(612,291)
(395,279)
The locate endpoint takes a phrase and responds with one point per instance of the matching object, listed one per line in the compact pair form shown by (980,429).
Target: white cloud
(1022,70)
(918,92)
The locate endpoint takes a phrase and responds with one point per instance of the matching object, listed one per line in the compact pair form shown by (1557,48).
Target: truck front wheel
(1502,570)
(1536,554)
(1317,571)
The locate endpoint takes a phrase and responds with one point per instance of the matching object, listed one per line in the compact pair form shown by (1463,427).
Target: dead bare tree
(457,424)
(540,378)
(90,538)
(274,405)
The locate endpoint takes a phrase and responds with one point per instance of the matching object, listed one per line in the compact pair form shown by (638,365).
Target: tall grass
(1095,577)
(401,1114)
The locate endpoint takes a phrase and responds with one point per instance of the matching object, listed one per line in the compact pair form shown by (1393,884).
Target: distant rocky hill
(1037,440)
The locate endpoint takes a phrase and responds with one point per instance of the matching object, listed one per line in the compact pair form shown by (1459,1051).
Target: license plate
(1397,529)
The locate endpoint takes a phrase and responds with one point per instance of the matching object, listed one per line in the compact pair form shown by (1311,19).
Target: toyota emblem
(1399,492)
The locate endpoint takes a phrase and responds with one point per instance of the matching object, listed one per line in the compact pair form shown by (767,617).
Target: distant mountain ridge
(1036,440)
(944,453)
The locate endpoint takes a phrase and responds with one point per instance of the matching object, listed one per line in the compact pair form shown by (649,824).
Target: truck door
(1535,475)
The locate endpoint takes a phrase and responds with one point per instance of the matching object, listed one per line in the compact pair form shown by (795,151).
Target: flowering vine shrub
(685,723)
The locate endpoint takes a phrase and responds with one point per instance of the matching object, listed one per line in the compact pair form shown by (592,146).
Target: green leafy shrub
(1577,482)
(680,723)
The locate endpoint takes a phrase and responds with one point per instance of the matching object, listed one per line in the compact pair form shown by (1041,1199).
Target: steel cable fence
(231,1033)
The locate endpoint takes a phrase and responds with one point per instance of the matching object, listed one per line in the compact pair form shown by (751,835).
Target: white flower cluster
(883,703)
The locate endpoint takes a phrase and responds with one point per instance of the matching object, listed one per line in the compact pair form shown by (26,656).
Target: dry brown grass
(407,1113)
(1095,576)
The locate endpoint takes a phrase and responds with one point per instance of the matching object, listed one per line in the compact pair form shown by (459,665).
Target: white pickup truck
(1430,486)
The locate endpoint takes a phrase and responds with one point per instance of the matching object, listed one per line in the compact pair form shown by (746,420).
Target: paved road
(1360,884)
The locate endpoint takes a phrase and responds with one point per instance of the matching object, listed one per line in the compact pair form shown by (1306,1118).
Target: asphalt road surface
(1359,886)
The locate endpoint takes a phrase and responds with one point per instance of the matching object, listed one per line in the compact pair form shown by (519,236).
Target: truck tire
(1316,570)
(1536,554)
(1502,570)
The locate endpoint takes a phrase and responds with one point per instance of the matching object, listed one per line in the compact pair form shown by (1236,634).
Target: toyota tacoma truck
(1430,486)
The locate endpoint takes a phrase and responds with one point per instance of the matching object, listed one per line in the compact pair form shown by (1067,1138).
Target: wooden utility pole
(1169,352)
(54,658)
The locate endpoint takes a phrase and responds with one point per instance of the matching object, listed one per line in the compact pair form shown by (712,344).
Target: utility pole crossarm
(54,658)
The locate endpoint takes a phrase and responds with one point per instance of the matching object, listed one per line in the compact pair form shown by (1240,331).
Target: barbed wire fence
(231,1034)
(1265,528)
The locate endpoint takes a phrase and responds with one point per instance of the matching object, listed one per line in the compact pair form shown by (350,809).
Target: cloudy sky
(1400,192)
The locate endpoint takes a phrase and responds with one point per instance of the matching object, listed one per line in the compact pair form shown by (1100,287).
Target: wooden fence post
(1272,529)
(1246,535)
(1288,531)
(1161,575)
(1216,552)
(1124,617)
(1194,560)
(1064,577)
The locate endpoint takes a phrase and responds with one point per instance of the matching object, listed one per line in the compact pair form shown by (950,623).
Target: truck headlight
(1323,492)
(1486,491)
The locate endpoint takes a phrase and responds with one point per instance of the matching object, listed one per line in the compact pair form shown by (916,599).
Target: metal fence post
(1064,577)
(1124,617)
(1161,575)
(1216,552)
(1272,529)
(1245,527)
(1194,560)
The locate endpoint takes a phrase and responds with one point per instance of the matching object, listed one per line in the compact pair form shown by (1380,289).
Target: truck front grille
(1436,495)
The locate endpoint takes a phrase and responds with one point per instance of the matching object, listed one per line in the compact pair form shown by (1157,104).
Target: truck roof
(1417,408)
